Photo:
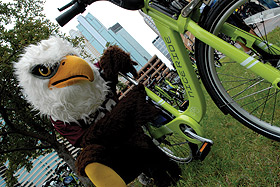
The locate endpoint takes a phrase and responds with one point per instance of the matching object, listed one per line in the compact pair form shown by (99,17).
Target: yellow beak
(71,70)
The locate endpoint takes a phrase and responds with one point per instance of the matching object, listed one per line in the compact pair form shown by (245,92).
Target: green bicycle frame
(170,30)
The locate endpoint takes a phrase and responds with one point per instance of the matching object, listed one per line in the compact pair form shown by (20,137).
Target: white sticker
(161,102)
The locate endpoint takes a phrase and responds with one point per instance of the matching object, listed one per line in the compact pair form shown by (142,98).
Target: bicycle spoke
(267,98)
(252,94)
(265,38)
(251,86)
(234,76)
(264,103)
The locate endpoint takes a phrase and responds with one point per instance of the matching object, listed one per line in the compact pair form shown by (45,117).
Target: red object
(71,131)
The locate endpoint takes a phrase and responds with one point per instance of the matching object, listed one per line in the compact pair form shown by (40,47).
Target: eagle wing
(115,60)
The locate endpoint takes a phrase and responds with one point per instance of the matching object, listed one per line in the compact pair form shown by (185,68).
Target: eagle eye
(43,72)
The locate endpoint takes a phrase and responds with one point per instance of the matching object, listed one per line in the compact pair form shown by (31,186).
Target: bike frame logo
(177,62)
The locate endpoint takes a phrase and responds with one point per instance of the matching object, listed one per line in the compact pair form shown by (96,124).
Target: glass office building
(43,168)
(100,37)
(160,45)
(158,41)
(86,46)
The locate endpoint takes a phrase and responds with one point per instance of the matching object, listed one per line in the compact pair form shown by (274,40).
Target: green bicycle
(246,86)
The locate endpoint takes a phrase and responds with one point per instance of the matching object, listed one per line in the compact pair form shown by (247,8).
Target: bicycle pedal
(203,151)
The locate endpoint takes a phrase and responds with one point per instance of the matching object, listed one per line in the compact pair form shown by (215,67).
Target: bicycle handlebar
(79,6)
(76,9)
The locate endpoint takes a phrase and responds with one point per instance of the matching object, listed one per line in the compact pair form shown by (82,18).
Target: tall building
(99,36)
(160,45)
(2,178)
(43,168)
(187,38)
(86,45)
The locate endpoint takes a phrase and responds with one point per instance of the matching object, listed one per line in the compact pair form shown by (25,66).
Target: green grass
(274,36)
(239,156)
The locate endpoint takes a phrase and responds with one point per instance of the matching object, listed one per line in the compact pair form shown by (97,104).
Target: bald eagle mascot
(81,101)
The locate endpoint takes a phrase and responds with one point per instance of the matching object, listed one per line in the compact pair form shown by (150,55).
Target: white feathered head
(58,83)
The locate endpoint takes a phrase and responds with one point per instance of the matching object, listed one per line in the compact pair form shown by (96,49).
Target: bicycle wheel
(236,90)
(177,147)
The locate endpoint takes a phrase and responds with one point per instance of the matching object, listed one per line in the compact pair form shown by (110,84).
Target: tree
(24,134)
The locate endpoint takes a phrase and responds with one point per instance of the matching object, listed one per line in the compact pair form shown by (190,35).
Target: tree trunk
(67,157)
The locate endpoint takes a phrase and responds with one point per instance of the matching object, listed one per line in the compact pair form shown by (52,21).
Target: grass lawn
(275,36)
(239,156)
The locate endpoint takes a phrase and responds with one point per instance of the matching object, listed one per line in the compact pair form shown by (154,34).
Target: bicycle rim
(237,91)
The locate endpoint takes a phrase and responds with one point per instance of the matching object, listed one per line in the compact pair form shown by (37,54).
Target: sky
(109,14)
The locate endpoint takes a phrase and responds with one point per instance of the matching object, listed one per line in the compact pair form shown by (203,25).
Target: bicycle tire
(234,89)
